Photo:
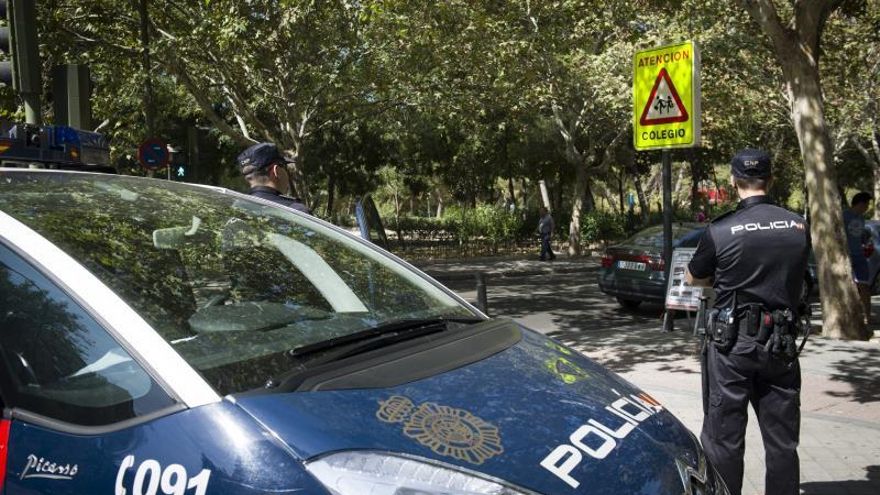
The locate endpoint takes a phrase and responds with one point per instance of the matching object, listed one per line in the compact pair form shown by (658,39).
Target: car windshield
(683,235)
(232,284)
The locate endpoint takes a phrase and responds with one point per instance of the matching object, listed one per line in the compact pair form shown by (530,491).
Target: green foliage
(492,224)
(599,226)
(426,228)
(416,102)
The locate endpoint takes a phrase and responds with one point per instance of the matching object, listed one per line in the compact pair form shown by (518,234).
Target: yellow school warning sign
(666,97)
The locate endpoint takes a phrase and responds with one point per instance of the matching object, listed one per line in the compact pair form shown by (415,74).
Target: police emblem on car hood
(446,430)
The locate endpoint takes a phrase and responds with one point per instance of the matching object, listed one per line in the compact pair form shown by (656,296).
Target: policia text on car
(756,258)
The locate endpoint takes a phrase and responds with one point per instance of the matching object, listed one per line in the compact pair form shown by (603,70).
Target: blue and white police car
(166,338)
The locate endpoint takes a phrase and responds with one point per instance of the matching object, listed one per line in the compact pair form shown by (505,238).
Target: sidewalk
(840,413)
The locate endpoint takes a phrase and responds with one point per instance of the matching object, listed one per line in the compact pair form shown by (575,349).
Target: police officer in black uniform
(755,258)
(265,170)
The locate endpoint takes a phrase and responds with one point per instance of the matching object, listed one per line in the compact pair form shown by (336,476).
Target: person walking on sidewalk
(856,236)
(545,230)
(755,258)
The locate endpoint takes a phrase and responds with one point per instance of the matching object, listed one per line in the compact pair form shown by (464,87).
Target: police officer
(755,258)
(265,170)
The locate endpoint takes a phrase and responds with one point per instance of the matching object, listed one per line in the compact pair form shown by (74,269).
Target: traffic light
(18,39)
(178,171)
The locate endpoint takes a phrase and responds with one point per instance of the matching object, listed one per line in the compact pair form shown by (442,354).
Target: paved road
(840,428)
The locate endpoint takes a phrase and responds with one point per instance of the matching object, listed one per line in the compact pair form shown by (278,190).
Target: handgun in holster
(722,328)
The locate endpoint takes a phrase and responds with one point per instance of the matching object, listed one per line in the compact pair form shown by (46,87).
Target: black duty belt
(759,323)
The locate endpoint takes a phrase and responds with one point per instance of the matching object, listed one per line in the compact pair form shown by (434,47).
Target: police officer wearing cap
(755,258)
(265,170)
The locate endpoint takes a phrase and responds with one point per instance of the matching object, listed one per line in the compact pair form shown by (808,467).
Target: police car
(166,338)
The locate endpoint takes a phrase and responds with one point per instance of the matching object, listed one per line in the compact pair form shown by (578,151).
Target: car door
(66,386)
(83,415)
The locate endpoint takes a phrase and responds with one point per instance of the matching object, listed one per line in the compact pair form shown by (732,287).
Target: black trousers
(748,373)
(546,249)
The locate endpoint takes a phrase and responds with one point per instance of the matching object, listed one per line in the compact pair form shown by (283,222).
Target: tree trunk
(557,189)
(676,191)
(589,198)
(796,43)
(331,194)
(876,189)
(620,192)
(397,220)
(643,200)
(510,191)
(300,184)
(841,310)
(697,175)
(439,205)
(608,194)
(581,185)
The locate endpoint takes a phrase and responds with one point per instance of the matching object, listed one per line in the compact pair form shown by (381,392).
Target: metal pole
(26,58)
(668,324)
(32,108)
(482,299)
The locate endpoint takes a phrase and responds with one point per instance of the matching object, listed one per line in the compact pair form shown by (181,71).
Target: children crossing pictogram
(664,106)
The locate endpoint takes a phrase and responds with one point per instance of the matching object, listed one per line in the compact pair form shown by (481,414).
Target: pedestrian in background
(856,236)
(265,170)
(545,230)
(701,215)
(755,258)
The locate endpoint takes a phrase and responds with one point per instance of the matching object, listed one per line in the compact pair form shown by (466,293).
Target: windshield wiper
(387,329)
(366,340)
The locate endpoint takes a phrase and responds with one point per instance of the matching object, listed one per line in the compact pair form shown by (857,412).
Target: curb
(505,273)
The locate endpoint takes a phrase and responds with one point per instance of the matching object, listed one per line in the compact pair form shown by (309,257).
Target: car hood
(537,414)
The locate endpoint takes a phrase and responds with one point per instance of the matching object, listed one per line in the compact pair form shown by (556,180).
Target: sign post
(666,114)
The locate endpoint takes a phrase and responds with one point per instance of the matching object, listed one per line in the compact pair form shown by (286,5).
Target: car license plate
(631,265)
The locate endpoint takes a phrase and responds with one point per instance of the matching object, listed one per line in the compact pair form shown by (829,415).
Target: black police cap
(259,156)
(749,163)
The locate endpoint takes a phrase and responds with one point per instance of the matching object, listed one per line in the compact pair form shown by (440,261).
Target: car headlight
(359,473)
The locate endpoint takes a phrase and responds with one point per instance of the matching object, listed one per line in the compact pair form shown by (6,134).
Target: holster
(722,328)
(782,342)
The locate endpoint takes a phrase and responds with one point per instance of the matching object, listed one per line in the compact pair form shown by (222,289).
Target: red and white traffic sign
(153,154)
(663,105)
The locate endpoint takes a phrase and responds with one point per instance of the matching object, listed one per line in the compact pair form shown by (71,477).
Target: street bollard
(482,300)
(669,320)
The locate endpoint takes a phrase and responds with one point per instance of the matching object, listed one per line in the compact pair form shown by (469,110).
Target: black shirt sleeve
(702,265)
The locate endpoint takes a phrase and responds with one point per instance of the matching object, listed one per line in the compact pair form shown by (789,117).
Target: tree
(796,44)
(852,56)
